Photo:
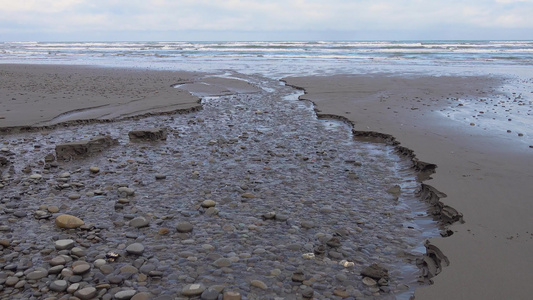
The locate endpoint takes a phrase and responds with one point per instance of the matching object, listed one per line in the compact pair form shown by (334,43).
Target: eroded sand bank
(486,175)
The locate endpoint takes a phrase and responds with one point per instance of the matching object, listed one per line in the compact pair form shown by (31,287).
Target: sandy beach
(485,175)
(234,181)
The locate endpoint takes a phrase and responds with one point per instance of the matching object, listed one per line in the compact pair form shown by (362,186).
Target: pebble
(193,290)
(135,249)
(184,227)
(64,244)
(231,295)
(81,269)
(210,294)
(37,274)
(125,295)
(208,203)
(68,221)
(86,293)
(222,262)
(139,222)
(58,285)
(259,284)
(160,176)
(94,169)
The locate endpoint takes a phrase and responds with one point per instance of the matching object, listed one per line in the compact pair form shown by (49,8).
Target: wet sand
(485,174)
(44,95)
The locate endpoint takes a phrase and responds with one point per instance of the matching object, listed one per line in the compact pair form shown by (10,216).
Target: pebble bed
(251,197)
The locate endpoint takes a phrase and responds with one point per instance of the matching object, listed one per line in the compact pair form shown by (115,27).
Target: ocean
(278,59)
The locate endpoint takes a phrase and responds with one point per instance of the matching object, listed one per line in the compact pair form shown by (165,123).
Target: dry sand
(485,176)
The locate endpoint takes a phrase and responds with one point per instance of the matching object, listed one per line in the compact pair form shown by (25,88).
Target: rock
(78,252)
(248,195)
(334,242)
(208,203)
(49,158)
(231,295)
(307,224)
(86,293)
(395,190)
(259,284)
(210,294)
(37,274)
(58,285)
(308,293)
(160,176)
(142,296)
(5,243)
(139,222)
(94,170)
(222,262)
(184,227)
(68,221)
(19,214)
(83,148)
(81,269)
(64,244)
(341,292)
(375,271)
(298,276)
(153,134)
(125,295)
(126,190)
(135,249)
(193,290)
(11,281)
(369,281)
(36,176)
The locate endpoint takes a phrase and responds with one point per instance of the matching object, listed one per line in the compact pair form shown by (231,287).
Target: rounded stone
(210,294)
(184,227)
(208,203)
(86,293)
(160,176)
(232,295)
(94,169)
(37,274)
(58,285)
(259,284)
(68,221)
(57,261)
(135,249)
(193,290)
(81,269)
(222,262)
(125,295)
(139,222)
(64,244)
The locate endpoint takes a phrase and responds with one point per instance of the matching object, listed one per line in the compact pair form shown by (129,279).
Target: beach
(251,171)
(485,177)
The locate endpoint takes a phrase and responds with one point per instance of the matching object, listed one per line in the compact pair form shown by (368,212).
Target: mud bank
(482,174)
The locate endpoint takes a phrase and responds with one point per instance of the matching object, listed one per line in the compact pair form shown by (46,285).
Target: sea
(512,60)
(284,58)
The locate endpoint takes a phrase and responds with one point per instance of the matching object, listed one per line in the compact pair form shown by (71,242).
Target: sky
(207,20)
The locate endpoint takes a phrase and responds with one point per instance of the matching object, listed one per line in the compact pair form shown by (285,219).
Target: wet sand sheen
(316,180)
(486,175)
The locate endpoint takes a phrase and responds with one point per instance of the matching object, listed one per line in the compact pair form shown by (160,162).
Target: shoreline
(491,190)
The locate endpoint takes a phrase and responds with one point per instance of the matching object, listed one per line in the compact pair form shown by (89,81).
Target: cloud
(68,16)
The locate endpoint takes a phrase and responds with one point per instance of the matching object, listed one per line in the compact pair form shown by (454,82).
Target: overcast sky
(64,20)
